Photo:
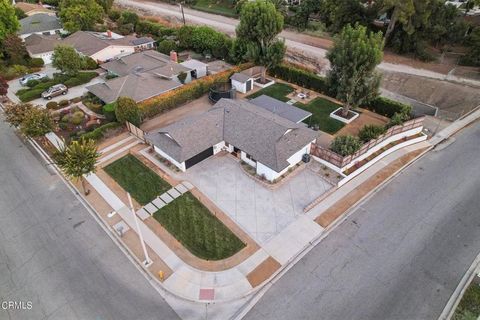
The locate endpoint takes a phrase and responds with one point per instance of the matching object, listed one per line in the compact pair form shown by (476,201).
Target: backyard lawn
(321,109)
(132,175)
(278,91)
(191,223)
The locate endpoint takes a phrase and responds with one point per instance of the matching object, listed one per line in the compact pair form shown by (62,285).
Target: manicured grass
(191,223)
(469,306)
(221,7)
(132,175)
(278,91)
(321,109)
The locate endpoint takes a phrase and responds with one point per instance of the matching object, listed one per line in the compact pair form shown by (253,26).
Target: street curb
(457,295)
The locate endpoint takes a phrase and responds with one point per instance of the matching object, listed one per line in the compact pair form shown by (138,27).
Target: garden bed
(469,306)
(134,177)
(200,232)
(338,115)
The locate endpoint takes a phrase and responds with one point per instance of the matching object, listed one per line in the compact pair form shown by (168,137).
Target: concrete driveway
(261,212)
(14,86)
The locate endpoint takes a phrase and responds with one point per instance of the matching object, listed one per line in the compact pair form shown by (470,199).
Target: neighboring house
(40,23)
(198,68)
(40,46)
(281,109)
(139,87)
(141,76)
(269,143)
(33,8)
(106,46)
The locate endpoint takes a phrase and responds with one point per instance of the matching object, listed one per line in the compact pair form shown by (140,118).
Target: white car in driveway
(34,76)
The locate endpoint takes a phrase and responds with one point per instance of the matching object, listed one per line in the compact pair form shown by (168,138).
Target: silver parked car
(54,91)
(34,76)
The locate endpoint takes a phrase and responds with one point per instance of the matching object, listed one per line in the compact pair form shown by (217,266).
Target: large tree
(8,20)
(66,59)
(260,24)
(80,14)
(36,122)
(78,159)
(402,10)
(14,50)
(353,59)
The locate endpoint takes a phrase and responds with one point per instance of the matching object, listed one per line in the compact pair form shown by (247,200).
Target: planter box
(342,119)
(261,85)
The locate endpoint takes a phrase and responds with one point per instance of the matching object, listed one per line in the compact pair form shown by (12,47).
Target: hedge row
(153,28)
(388,108)
(184,94)
(98,133)
(309,80)
(303,78)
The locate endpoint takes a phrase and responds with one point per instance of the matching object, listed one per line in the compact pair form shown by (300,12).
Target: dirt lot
(452,99)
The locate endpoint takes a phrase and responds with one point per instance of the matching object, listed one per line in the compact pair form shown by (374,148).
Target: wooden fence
(136,131)
(340,161)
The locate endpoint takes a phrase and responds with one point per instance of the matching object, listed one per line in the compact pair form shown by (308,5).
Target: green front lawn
(278,91)
(321,109)
(222,7)
(191,223)
(469,306)
(132,175)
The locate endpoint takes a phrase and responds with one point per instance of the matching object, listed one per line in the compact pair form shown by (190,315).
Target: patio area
(259,211)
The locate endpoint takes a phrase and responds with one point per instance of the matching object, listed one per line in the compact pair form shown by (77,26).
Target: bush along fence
(186,93)
(342,164)
(312,81)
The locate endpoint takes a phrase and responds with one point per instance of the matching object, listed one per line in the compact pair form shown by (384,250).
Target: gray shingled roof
(268,138)
(145,61)
(280,108)
(139,87)
(37,43)
(240,77)
(40,22)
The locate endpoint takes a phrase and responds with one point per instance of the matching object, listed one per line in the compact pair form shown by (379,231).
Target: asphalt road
(400,255)
(55,255)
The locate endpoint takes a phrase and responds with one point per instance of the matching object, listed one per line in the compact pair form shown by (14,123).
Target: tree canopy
(353,59)
(66,59)
(36,122)
(127,110)
(80,14)
(8,19)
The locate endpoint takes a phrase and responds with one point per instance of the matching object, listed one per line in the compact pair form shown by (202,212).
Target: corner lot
(260,211)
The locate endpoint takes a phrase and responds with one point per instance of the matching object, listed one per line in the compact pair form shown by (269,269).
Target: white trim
(342,119)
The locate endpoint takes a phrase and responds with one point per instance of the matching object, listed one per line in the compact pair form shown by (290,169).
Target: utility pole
(183,14)
(147,262)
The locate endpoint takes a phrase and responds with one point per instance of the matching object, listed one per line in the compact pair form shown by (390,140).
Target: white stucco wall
(180,166)
(240,87)
(218,147)
(243,156)
(201,72)
(46,56)
(112,52)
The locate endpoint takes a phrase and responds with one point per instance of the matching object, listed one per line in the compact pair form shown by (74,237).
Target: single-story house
(106,46)
(267,142)
(198,68)
(149,61)
(40,23)
(40,46)
(33,8)
(138,86)
(281,108)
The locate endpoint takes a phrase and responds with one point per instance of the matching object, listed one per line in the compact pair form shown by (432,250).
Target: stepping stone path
(164,199)
(290,102)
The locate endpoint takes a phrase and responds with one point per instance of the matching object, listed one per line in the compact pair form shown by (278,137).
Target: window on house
(249,157)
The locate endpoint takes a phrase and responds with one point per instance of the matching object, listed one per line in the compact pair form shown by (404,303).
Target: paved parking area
(261,212)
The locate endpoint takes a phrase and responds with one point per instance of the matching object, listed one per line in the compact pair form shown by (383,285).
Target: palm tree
(78,159)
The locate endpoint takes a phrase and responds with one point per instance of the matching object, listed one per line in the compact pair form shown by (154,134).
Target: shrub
(370,132)
(99,132)
(30,95)
(153,28)
(127,110)
(77,118)
(114,14)
(80,78)
(14,71)
(188,92)
(300,77)
(345,145)
(36,62)
(125,29)
(129,17)
(165,46)
(388,108)
(109,111)
(204,39)
(32,83)
(52,105)
(89,63)
(182,76)
(63,126)
(63,103)
(398,119)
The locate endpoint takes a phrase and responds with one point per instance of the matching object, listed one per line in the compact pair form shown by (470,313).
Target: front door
(249,85)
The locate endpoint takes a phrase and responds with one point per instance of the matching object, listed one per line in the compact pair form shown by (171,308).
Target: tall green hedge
(388,108)
(300,77)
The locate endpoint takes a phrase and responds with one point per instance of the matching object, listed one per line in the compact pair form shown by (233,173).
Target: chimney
(173,56)
(109,33)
